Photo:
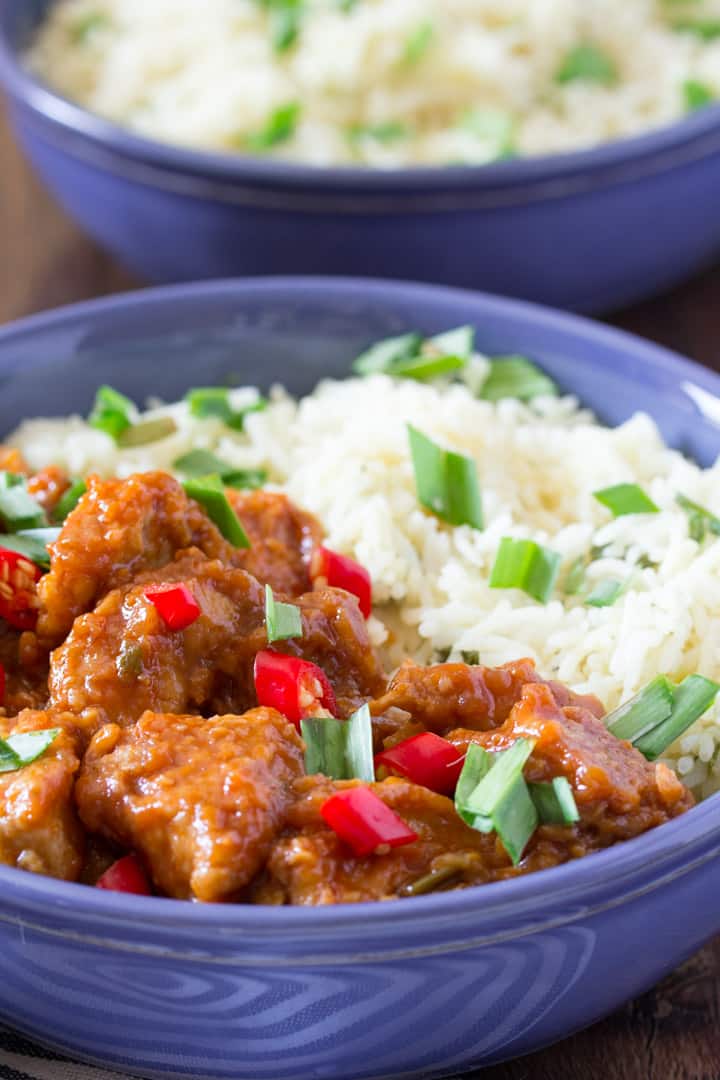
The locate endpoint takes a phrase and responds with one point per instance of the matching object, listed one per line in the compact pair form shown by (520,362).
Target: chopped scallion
(340,749)
(69,500)
(693,697)
(587,63)
(707,29)
(494,128)
(385,355)
(208,401)
(32,543)
(446,482)
(523,564)
(18,509)
(282,621)
(697,95)
(280,127)
(623,499)
(408,356)
(22,749)
(388,132)
(605,593)
(644,711)
(112,412)
(700,520)
(418,43)
(147,431)
(575,577)
(203,462)
(491,795)
(555,802)
(516,377)
(210,493)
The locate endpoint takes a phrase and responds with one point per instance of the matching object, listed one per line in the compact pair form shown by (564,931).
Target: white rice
(343,454)
(406,72)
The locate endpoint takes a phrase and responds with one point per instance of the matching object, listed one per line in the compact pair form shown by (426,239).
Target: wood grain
(672,1033)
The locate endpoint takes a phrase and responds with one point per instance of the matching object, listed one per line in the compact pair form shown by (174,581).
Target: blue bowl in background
(417,988)
(590,230)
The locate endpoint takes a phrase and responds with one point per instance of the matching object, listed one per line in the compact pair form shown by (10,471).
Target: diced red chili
(2,685)
(295,687)
(342,572)
(426,759)
(365,822)
(18,589)
(176,605)
(126,875)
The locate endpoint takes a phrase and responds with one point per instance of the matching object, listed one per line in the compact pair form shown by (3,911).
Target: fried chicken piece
(282,539)
(200,801)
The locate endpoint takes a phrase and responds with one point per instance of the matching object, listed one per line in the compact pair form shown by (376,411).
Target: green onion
(446,482)
(383,133)
(32,543)
(623,499)
(697,95)
(418,43)
(470,657)
(18,509)
(707,29)
(69,500)
(700,520)
(24,748)
(208,401)
(587,63)
(340,749)
(280,127)
(644,711)
(516,377)
(147,431)
(203,462)
(385,355)
(112,412)
(210,493)
(575,577)
(282,621)
(84,27)
(523,564)
(459,342)
(437,880)
(692,698)
(555,802)
(605,593)
(494,127)
(500,800)
(408,356)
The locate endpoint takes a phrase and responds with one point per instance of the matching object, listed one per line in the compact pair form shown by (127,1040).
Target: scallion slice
(279,128)
(693,697)
(340,749)
(697,95)
(147,431)
(623,499)
(587,63)
(207,401)
(112,412)
(605,593)
(525,565)
(575,577)
(707,29)
(418,43)
(69,500)
(210,493)
(555,802)
(24,748)
(446,482)
(390,131)
(491,795)
(384,356)
(18,509)
(32,543)
(700,520)
(516,377)
(282,621)
(493,127)
(203,463)
(644,711)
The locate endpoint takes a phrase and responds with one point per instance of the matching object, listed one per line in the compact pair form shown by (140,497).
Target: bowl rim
(671,143)
(662,853)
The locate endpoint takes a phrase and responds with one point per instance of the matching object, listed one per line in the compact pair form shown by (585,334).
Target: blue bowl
(589,231)
(423,987)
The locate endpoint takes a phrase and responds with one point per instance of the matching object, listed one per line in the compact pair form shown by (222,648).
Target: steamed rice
(383,82)
(342,453)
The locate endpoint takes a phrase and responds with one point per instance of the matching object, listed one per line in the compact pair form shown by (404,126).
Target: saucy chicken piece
(619,793)
(200,801)
(48,486)
(39,828)
(444,696)
(119,529)
(282,538)
(124,659)
(311,865)
(26,671)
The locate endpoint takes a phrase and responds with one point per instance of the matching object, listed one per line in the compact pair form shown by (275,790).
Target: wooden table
(672,1033)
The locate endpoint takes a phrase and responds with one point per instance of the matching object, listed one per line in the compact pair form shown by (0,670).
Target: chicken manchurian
(195,711)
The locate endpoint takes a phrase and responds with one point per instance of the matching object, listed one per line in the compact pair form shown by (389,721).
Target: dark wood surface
(672,1033)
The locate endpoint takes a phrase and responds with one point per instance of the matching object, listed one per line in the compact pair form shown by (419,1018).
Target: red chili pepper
(126,875)
(427,760)
(295,687)
(2,684)
(342,572)
(176,605)
(18,593)
(364,821)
